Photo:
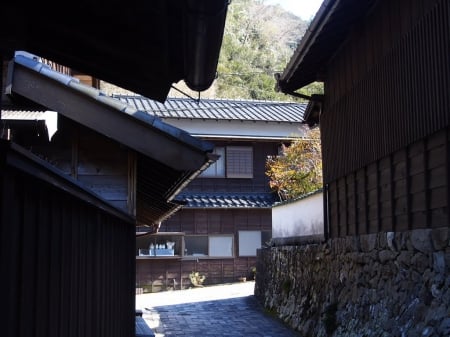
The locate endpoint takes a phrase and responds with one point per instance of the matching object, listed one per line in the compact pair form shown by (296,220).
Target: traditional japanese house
(68,244)
(227,213)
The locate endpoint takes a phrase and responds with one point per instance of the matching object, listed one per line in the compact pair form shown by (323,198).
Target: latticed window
(239,162)
(234,162)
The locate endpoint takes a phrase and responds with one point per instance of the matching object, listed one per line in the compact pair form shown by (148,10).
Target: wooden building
(67,253)
(384,117)
(227,212)
(92,142)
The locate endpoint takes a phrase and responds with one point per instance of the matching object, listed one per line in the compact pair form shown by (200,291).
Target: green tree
(258,42)
(298,169)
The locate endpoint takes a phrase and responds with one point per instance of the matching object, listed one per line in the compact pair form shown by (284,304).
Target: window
(250,241)
(159,244)
(216,170)
(239,162)
(212,246)
(234,162)
(221,246)
(195,245)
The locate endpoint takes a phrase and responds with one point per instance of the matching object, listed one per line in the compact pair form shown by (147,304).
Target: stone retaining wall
(386,284)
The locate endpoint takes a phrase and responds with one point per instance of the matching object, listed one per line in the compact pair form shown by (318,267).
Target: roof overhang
(142,46)
(48,119)
(239,130)
(136,129)
(226,118)
(327,31)
(169,158)
(226,200)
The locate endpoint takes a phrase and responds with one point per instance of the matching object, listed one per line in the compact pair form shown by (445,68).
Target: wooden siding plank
(11,209)
(386,194)
(201,222)
(342,206)
(55,263)
(439,217)
(408,189)
(418,220)
(254,219)
(417,183)
(214,222)
(351,204)
(372,197)
(400,190)
(426,182)
(361,201)
(332,211)
(418,202)
(28,272)
(438,197)
(43,261)
(437,178)
(386,31)
(436,157)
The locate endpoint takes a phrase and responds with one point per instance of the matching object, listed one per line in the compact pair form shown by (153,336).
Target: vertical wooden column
(4,57)
(2,61)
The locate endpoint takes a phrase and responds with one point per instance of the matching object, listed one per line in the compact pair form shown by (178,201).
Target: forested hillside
(258,41)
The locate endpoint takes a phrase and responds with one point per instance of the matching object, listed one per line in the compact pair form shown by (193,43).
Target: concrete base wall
(386,284)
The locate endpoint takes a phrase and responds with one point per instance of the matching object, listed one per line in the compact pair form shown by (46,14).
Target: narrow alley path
(224,310)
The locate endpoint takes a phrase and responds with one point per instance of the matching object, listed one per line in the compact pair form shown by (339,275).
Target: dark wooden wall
(168,274)
(259,182)
(216,221)
(388,85)
(405,190)
(161,272)
(100,163)
(385,118)
(67,262)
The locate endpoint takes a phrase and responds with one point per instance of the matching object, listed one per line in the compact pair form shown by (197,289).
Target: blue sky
(306,9)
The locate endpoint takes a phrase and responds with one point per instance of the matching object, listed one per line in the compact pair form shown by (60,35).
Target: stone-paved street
(224,310)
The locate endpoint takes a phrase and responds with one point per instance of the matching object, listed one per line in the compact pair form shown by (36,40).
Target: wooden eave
(141,46)
(138,130)
(327,31)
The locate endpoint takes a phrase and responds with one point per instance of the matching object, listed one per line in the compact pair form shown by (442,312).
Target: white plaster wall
(298,218)
(237,129)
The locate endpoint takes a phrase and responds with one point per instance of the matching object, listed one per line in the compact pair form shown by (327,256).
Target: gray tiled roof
(225,109)
(23,114)
(228,200)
